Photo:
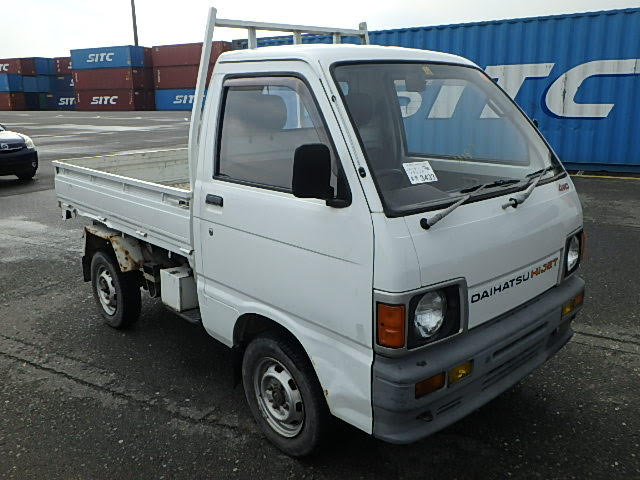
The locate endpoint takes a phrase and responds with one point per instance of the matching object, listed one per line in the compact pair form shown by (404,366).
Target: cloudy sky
(50,28)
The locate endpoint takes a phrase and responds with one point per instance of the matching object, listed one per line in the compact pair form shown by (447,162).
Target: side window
(264,121)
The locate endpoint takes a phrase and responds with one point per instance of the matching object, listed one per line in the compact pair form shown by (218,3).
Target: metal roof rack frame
(297,30)
(252,27)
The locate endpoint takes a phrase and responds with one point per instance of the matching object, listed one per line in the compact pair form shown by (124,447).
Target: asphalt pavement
(83,401)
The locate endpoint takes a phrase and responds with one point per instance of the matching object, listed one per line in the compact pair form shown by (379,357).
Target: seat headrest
(252,110)
(361,107)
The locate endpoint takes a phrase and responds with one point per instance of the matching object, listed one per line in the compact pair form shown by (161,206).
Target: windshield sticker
(420,172)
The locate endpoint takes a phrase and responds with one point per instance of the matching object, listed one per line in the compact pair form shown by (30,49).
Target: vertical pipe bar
(297,40)
(135,23)
(252,40)
(337,38)
(365,35)
(196,112)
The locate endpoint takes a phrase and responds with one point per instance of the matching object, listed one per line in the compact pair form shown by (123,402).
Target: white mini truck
(380,234)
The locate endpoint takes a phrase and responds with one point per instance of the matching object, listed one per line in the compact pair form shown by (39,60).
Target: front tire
(284,394)
(28,175)
(117,294)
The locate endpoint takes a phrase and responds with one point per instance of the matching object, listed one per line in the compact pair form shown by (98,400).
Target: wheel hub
(279,398)
(106,291)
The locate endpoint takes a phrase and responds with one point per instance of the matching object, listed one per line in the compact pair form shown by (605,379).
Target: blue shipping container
(57,101)
(44,66)
(109,57)
(29,84)
(44,83)
(10,82)
(578,75)
(62,83)
(175,99)
(61,101)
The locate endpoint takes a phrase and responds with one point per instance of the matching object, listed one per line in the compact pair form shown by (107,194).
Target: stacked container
(32,84)
(61,93)
(175,72)
(62,65)
(12,74)
(54,89)
(36,98)
(113,78)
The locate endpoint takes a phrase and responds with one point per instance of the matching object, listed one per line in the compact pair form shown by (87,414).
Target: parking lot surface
(83,401)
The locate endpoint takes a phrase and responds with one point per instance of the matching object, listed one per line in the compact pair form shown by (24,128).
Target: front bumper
(503,352)
(20,161)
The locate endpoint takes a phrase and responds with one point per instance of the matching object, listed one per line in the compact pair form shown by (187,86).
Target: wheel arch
(250,325)
(126,250)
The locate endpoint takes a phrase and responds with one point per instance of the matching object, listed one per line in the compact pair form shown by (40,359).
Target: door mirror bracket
(338,203)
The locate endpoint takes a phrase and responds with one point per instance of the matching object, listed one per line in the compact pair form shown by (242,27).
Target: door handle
(214,200)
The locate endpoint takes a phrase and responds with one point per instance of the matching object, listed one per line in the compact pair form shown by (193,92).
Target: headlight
(28,142)
(429,314)
(435,315)
(573,252)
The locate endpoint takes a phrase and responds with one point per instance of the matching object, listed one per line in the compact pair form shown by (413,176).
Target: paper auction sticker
(420,172)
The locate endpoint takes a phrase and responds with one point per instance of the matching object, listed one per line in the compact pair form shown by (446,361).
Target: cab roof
(332,53)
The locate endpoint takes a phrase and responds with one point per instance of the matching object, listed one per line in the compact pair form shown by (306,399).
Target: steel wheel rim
(279,397)
(106,291)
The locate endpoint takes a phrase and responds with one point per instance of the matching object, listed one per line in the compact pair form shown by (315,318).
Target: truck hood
(506,257)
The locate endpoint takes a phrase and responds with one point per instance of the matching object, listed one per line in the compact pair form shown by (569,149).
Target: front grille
(10,148)
(504,369)
(519,341)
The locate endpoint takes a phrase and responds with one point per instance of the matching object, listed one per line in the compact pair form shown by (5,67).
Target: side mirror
(312,172)
(535,123)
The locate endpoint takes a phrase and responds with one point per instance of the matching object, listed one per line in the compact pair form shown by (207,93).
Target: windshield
(433,132)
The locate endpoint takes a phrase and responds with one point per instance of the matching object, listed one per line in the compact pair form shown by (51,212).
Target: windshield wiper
(427,223)
(520,199)
(498,183)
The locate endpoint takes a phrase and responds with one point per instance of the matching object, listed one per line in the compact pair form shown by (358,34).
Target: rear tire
(284,394)
(117,294)
(28,175)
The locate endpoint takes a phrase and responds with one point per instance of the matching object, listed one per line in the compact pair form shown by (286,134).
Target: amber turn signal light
(567,308)
(430,384)
(572,304)
(391,325)
(459,372)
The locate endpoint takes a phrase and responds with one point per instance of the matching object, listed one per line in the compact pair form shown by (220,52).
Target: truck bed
(143,194)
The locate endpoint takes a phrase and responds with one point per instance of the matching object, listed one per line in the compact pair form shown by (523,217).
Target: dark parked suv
(18,155)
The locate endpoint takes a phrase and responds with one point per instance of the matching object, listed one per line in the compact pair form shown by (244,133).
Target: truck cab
(380,234)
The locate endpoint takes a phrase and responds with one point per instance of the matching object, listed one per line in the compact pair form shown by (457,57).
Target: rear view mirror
(415,81)
(312,172)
